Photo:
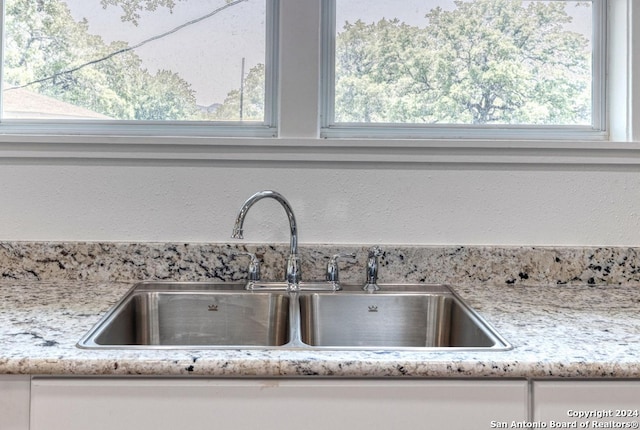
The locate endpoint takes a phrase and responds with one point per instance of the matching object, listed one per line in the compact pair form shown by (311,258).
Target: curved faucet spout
(293,263)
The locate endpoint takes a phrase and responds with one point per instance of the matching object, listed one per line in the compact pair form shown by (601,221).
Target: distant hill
(212,108)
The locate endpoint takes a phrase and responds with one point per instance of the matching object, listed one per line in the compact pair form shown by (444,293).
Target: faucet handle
(332,268)
(375,251)
(254,266)
(371,283)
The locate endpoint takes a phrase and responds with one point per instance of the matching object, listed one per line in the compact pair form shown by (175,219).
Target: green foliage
(132,8)
(252,99)
(54,55)
(484,62)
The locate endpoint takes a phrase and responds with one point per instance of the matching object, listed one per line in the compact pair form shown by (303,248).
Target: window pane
(473,62)
(148,60)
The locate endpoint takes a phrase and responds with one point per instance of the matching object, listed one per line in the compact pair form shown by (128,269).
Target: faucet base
(285,286)
(371,287)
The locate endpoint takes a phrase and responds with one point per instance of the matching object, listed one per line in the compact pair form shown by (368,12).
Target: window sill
(315,152)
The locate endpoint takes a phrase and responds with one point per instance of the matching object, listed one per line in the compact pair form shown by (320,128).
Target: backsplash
(458,265)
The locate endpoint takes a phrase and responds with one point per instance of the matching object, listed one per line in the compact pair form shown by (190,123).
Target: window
(447,67)
(154,62)
(329,69)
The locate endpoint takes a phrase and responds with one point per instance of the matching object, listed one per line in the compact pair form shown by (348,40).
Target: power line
(129,48)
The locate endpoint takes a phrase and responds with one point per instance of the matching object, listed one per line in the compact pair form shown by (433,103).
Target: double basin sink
(227,316)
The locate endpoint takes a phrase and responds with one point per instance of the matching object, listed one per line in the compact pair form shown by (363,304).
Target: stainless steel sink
(391,320)
(188,316)
(226,316)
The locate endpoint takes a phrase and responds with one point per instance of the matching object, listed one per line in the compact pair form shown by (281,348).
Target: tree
(381,72)
(45,48)
(165,97)
(132,8)
(484,62)
(253,99)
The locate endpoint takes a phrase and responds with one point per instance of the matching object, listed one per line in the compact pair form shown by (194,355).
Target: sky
(209,54)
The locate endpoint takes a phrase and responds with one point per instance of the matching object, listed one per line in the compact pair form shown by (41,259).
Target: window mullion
(620,71)
(299,55)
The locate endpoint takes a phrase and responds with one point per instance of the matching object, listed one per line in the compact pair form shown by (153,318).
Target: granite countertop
(556,331)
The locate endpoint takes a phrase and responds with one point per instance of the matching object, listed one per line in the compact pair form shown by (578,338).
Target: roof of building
(20,103)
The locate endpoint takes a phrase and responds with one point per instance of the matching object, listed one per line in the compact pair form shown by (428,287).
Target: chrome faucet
(254,269)
(293,262)
(332,275)
(372,269)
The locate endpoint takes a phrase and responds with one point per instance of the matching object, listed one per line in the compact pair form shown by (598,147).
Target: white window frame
(266,128)
(597,131)
(300,144)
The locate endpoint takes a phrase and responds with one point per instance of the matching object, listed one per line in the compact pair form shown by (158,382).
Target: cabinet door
(69,404)
(14,402)
(592,404)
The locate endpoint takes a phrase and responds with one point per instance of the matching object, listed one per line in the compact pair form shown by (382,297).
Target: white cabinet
(14,402)
(309,404)
(594,404)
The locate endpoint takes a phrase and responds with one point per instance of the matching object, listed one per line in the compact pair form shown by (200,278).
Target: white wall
(427,205)
(591,200)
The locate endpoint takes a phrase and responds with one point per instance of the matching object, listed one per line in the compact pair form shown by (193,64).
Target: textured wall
(423,206)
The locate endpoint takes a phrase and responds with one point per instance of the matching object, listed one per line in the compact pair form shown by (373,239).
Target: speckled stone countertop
(571,331)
